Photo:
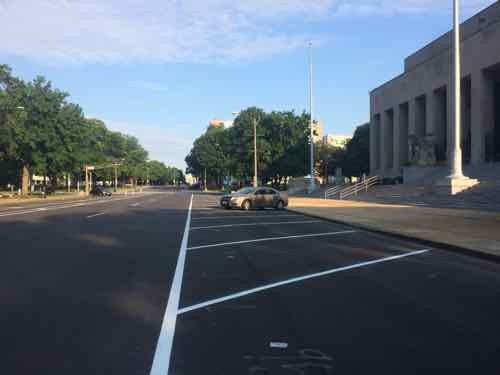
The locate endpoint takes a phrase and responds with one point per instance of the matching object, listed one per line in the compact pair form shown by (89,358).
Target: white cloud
(116,31)
(164,144)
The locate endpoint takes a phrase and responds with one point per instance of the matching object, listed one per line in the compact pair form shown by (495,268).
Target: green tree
(357,155)
(282,139)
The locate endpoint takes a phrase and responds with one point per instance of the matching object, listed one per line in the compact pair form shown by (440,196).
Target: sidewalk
(469,230)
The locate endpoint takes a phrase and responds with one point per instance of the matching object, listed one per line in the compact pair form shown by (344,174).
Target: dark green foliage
(41,130)
(283,150)
(281,143)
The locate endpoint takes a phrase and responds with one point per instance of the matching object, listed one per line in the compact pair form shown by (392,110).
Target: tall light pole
(311,119)
(455,182)
(456,149)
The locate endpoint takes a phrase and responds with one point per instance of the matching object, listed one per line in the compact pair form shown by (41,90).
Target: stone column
(383,143)
(374,146)
(403,134)
(412,128)
(396,164)
(482,114)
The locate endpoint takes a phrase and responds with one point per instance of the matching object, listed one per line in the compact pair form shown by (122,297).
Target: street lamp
(255,178)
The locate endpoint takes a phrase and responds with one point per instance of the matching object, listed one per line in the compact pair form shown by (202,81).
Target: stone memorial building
(411,114)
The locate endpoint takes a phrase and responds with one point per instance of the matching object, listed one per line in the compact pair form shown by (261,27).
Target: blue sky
(161,69)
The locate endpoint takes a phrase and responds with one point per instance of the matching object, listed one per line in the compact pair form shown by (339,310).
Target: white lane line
(279,345)
(241,216)
(161,359)
(271,239)
(95,215)
(296,280)
(253,224)
(134,204)
(60,207)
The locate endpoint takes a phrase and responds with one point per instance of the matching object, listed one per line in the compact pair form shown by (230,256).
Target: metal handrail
(363,185)
(335,190)
(360,186)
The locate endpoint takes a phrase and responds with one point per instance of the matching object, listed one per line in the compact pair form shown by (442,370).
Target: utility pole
(86,180)
(255,179)
(116,177)
(205,183)
(311,120)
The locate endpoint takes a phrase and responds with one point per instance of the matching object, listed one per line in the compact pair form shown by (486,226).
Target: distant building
(339,141)
(190,179)
(317,131)
(216,123)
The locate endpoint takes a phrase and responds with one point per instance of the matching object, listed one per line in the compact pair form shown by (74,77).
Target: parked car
(100,192)
(261,197)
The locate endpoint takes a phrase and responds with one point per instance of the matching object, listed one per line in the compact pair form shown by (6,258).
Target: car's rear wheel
(280,205)
(246,205)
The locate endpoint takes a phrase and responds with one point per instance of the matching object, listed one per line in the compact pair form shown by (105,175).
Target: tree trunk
(25,180)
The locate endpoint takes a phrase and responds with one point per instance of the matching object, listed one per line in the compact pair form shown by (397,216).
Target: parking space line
(95,215)
(296,280)
(161,359)
(271,239)
(228,216)
(256,224)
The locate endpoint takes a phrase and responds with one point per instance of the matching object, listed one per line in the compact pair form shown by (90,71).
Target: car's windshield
(246,190)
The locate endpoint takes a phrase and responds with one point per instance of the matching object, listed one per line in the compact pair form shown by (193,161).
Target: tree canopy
(43,133)
(282,149)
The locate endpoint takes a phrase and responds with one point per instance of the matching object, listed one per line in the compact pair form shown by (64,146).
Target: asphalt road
(138,285)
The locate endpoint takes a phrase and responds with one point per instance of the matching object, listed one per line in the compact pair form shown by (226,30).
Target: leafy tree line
(354,159)
(282,150)
(42,133)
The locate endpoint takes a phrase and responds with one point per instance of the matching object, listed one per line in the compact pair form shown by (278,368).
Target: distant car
(100,192)
(261,197)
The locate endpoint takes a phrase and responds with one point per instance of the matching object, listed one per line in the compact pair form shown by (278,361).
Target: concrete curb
(441,245)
